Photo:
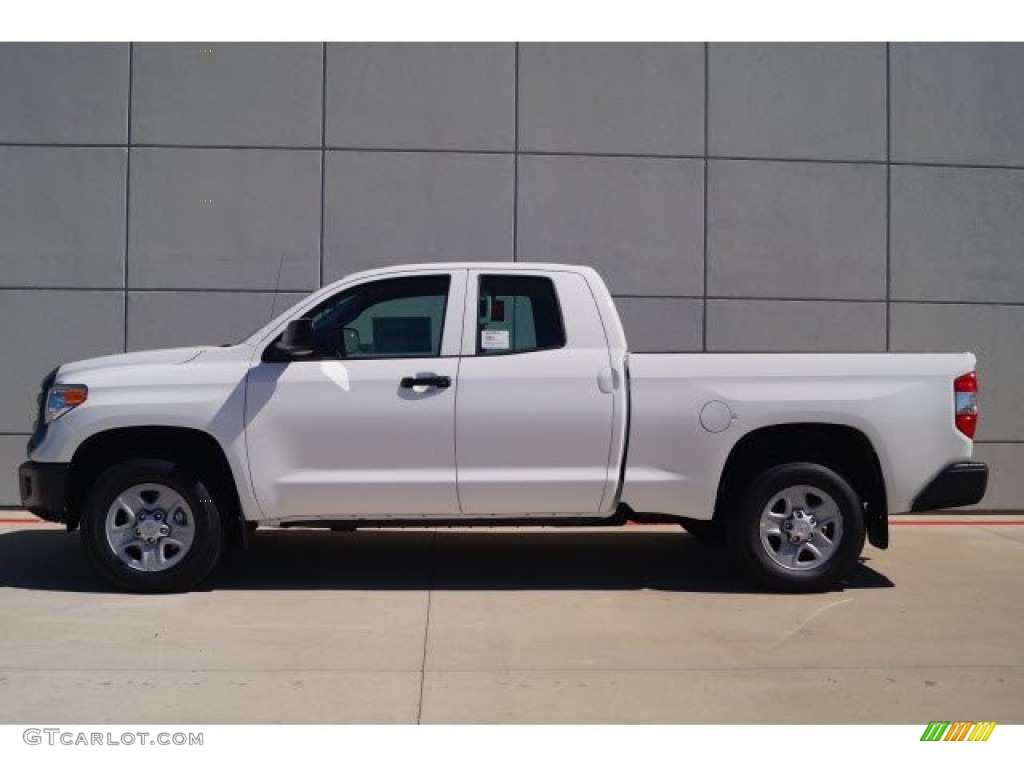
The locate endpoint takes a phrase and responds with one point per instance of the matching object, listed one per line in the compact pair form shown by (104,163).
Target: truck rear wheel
(799,528)
(151,525)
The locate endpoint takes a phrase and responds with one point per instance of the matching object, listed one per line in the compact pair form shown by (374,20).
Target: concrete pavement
(643,624)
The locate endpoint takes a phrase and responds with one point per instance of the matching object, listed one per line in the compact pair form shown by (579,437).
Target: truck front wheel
(151,525)
(798,528)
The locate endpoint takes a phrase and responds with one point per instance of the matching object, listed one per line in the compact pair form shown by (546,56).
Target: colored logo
(960,730)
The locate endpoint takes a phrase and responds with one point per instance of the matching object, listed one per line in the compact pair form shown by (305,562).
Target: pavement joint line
(1004,537)
(432,559)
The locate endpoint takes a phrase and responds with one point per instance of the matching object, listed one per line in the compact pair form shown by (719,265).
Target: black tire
(765,554)
(199,513)
(709,531)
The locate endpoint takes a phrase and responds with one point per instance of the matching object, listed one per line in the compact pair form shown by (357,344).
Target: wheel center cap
(801,526)
(151,529)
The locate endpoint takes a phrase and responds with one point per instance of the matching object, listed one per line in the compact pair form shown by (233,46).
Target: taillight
(965,393)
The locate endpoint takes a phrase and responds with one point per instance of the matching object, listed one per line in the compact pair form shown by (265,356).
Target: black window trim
(268,355)
(498,353)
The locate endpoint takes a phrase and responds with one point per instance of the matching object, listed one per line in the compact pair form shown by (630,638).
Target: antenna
(277,287)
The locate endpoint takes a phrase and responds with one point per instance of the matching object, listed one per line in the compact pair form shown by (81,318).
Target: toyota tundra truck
(475,394)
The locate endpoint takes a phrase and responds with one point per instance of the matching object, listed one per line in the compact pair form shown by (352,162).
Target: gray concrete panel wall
(796,230)
(385,208)
(459,96)
(64,94)
(62,216)
(223,218)
(957,103)
(233,94)
(613,98)
(638,221)
(821,101)
(737,197)
(42,328)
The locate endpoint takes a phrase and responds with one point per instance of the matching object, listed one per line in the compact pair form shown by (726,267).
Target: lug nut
(164,530)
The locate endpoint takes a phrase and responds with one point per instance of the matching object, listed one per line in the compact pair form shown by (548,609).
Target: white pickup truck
(492,394)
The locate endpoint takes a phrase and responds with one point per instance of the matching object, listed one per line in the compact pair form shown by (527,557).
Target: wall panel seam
(127,197)
(523,153)
(323,157)
(704,276)
(888,204)
(515,160)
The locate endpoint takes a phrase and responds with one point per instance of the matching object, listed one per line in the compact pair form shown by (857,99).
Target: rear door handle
(441,382)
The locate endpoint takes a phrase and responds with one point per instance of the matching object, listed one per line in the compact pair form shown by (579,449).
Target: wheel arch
(843,449)
(103,449)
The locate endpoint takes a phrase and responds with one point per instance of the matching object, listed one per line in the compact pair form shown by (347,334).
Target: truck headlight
(62,398)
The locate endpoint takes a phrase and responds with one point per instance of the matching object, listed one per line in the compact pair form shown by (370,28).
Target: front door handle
(441,382)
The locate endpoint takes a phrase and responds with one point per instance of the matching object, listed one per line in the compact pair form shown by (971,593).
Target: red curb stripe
(956,522)
(636,522)
(20,520)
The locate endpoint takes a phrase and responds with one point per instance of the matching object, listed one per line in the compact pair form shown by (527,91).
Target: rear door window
(516,314)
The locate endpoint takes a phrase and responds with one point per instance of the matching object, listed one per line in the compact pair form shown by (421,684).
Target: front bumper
(958,485)
(44,490)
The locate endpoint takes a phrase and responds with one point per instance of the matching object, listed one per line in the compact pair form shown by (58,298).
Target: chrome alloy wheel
(150,527)
(801,527)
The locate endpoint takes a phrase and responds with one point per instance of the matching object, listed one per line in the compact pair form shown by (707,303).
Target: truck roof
(450,265)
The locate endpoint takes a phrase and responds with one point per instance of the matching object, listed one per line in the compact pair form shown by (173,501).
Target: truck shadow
(666,560)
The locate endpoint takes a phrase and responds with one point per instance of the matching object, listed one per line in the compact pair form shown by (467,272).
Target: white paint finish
(190,387)
(534,434)
(902,403)
(374,450)
(343,439)
(186,387)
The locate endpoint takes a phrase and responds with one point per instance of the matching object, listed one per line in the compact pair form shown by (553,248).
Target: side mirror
(297,340)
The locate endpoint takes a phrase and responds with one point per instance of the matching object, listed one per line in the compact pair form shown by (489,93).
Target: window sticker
(494,340)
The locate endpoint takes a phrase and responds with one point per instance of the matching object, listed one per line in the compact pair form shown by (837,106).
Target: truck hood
(174,356)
